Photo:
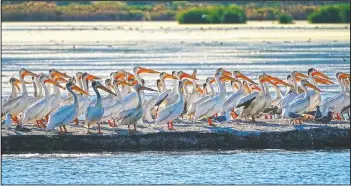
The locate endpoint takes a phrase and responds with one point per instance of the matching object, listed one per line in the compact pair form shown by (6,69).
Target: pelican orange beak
(320,74)
(227,73)
(131,77)
(247,88)
(147,88)
(134,82)
(242,76)
(92,77)
(169,76)
(255,87)
(119,75)
(106,89)
(313,87)
(76,88)
(28,73)
(187,82)
(54,83)
(146,70)
(323,81)
(185,75)
(212,80)
(235,86)
(60,74)
(199,90)
(344,75)
(60,79)
(300,76)
(277,81)
(228,78)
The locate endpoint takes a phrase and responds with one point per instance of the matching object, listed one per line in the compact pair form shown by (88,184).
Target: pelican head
(45,79)
(225,72)
(24,72)
(15,82)
(313,72)
(238,75)
(71,86)
(139,87)
(140,70)
(304,82)
(275,81)
(98,85)
(87,76)
(182,75)
(164,75)
(53,73)
(298,75)
(341,75)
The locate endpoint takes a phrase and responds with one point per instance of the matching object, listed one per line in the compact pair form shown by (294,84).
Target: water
(235,167)
(73,47)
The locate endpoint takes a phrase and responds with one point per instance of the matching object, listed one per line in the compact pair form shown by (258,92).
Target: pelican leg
(47,118)
(168,126)
(109,123)
(60,130)
(338,117)
(209,120)
(234,114)
(129,131)
(64,128)
(42,124)
(134,127)
(99,127)
(76,121)
(37,123)
(88,129)
(114,123)
(253,118)
(15,119)
(216,115)
(172,126)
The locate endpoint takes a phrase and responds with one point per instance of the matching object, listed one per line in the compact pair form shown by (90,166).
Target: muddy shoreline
(304,137)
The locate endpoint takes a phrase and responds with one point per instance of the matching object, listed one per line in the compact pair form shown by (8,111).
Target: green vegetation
(183,11)
(285,19)
(331,14)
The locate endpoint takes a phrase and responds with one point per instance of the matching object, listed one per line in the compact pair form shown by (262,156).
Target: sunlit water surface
(235,167)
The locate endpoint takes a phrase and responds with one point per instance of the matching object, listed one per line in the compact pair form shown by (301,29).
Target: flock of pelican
(126,103)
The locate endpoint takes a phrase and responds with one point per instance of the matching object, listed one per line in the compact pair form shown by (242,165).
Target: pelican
(174,97)
(131,116)
(66,114)
(212,106)
(315,96)
(112,110)
(291,95)
(84,99)
(106,99)
(14,87)
(256,102)
(150,104)
(296,108)
(131,100)
(173,111)
(231,101)
(55,99)
(19,104)
(94,113)
(38,93)
(341,101)
(41,108)
(193,96)
(167,92)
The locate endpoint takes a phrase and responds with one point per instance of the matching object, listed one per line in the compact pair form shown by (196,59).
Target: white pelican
(291,95)
(173,111)
(38,93)
(212,106)
(296,108)
(94,113)
(132,116)
(19,104)
(337,100)
(55,98)
(315,77)
(38,110)
(106,99)
(166,92)
(66,114)
(174,97)
(14,87)
(195,104)
(112,110)
(231,101)
(69,99)
(257,102)
(340,109)
(150,104)
(131,100)
(84,99)
(193,96)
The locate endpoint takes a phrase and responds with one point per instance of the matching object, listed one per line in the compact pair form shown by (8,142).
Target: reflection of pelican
(66,114)
(298,106)
(19,104)
(95,113)
(38,110)
(173,111)
(131,116)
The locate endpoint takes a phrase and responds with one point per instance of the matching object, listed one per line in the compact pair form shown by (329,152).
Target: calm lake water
(235,167)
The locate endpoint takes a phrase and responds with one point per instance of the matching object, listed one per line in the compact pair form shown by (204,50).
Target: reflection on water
(227,167)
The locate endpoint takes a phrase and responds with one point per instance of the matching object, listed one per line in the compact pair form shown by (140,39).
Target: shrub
(331,14)
(212,14)
(285,19)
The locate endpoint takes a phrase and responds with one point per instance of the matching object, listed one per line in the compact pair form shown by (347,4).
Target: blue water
(235,167)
